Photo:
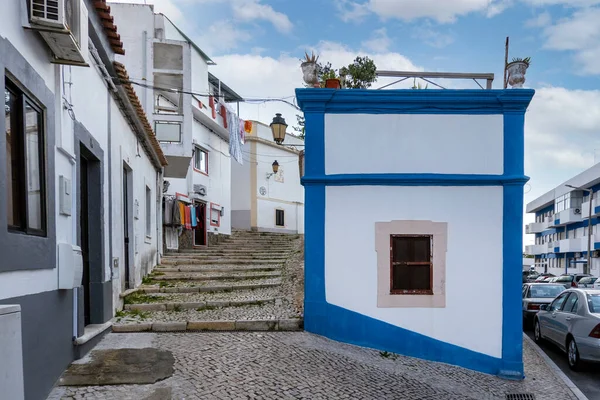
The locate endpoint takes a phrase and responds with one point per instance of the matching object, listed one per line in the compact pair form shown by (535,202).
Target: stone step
(215,276)
(216,261)
(253,241)
(218,286)
(292,324)
(197,305)
(219,298)
(228,256)
(235,268)
(235,252)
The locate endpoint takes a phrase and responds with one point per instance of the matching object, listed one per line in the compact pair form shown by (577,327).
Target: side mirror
(544,307)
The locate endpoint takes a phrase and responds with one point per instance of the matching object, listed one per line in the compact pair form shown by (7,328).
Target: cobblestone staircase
(250,281)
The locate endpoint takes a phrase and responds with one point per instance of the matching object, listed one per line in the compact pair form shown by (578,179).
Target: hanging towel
(188,218)
(168,211)
(235,143)
(193,216)
(242,124)
(181,213)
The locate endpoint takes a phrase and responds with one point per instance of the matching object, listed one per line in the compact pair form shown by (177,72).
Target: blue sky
(257,45)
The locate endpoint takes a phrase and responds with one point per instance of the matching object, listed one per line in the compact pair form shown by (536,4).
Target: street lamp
(586,270)
(275,167)
(278,127)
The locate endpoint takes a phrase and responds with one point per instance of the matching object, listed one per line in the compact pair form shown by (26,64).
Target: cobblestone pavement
(299,365)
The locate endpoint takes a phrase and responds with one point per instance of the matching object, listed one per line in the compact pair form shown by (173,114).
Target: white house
(392,235)
(263,200)
(80,193)
(190,112)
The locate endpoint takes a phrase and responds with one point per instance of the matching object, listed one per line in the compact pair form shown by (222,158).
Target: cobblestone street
(299,365)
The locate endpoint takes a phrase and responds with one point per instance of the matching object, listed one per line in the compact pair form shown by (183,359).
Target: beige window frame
(438,231)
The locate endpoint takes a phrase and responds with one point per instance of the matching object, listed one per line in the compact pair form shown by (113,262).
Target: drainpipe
(159,217)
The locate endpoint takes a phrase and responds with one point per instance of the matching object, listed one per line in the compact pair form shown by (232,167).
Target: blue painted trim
(351,327)
(557,222)
(512,241)
(402,101)
(581,224)
(414,180)
(596,210)
(596,246)
(552,231)
(544,210)
(557,249)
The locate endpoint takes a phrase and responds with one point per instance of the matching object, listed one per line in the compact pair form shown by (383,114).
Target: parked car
(587,282)
(544,276)
(536,294)
(570,280)
(572,322)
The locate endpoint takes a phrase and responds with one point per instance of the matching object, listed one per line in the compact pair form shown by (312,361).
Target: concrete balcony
(552,246)
(536,249)
(575,245)
(537,227)
(585,208)
(569,216)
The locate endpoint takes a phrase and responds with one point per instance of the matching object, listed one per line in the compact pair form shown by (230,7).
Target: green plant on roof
(526,60)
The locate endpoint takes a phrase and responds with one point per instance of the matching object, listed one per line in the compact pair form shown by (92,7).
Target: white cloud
(432,37)
(569,3)
(168,7)
(580,33)
(252,10)
(561,134)
(216,40)
(379,42)
(541,20)
(442,11)
(256,76)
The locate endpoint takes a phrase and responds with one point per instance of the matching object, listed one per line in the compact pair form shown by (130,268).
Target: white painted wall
(474,247)
(414,143)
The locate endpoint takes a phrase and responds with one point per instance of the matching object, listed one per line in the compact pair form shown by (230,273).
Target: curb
(296,324)
(569,383)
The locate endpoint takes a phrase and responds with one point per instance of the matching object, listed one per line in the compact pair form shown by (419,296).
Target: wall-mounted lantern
(275,167)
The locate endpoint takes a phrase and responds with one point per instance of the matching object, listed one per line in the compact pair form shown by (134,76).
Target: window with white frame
(148,212)
(201,160)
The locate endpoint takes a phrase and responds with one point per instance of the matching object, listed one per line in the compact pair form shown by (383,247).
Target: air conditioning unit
(63,24)
(200,189)
(577,255)
(595,253)
(577,211)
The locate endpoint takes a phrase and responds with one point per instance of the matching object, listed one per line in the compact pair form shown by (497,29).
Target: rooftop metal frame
(404,75)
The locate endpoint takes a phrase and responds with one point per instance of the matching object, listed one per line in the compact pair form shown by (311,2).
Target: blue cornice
(429,101)
(414,180)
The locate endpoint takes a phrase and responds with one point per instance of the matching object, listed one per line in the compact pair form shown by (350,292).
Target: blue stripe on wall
(345,325)
(544,210)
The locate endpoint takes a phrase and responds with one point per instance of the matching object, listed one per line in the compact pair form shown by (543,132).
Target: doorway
(127,227)
(85,234)
(200,231)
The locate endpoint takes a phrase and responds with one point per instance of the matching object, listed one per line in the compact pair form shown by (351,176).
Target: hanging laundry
(224,115)
(188,218)
(193,216)
(211,104)
(235,143)
(242,131)
(168,211)
(181,213)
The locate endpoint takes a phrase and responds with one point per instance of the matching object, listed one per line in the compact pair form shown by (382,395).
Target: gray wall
(47,334)
(19,251)
(240,219)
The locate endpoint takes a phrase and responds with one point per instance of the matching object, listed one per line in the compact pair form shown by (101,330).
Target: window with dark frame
(279,218)
(411,265)
(25,161)
(201,160)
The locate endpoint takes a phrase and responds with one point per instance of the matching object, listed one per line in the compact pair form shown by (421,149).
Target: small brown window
(279,218)
(411,269)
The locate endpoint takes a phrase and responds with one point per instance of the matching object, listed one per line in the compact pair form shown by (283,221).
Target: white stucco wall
(451,144)
(474,250)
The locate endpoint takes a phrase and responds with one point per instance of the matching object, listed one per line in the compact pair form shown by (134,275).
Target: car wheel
(537,332)
(573,355)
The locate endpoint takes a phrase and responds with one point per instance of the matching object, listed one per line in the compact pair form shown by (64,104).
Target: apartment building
(81,182)
(561,225)
(192,113)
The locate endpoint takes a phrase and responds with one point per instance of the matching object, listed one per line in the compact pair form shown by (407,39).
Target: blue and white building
(409,194)
(561,225)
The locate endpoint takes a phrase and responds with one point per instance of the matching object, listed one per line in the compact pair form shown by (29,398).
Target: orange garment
(182,213)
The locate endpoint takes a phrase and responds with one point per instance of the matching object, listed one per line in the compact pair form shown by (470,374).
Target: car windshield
(549,291)
(594,303)
(564,279)
(588,280)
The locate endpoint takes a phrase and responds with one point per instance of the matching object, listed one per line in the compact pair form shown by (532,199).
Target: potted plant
(516,70)
(309,70)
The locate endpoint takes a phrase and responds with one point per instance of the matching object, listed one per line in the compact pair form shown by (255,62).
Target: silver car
(534,296)
(572,321)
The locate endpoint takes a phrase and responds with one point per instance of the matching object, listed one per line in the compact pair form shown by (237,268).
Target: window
(201,160)
(570,305)
(215,215)
(24,162)
(411,267)
(279,218)
(148,212)
(557,303)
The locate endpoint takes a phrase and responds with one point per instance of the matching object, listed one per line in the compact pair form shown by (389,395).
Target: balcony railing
(537,227)
(573,245)
(536,249)
(569,216)
(585,208)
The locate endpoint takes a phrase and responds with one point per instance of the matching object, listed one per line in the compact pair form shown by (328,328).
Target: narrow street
(588,380)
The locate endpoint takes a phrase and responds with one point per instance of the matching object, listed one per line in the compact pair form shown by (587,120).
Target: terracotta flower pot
(333,83)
